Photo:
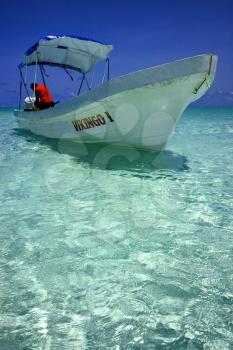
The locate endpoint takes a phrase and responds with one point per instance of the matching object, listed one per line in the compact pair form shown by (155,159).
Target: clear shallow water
(101,251)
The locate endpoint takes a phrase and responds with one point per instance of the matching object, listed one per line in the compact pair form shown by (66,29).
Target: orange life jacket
(43,94)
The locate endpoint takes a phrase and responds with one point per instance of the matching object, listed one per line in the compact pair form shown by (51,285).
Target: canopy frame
(23,83)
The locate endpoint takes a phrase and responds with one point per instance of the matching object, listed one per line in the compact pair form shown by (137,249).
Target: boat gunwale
(133,80)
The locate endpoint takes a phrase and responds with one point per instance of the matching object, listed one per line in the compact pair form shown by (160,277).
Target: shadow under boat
(114,156)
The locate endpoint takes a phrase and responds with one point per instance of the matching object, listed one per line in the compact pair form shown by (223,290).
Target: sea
(105,249)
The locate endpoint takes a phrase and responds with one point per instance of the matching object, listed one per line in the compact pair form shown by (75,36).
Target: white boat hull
(139,110)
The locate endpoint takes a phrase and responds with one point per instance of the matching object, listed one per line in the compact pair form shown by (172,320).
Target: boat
(138,110)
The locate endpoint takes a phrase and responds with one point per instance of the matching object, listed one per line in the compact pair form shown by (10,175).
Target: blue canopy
(67,51)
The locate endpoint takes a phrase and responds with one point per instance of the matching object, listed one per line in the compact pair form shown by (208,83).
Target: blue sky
(144,34)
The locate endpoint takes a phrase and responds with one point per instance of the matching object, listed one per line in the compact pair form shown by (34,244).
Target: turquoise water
(105,250)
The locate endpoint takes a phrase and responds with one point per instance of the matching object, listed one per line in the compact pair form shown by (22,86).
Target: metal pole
(42,74)
(24,84)
(20,92)
(87,83)
(80,87)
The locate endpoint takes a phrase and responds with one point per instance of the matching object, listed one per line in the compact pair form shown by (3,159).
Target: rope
(92,77)
(108,61)
(205,80)
(105,70)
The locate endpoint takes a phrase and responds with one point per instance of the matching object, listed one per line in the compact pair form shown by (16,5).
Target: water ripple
(124,255)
